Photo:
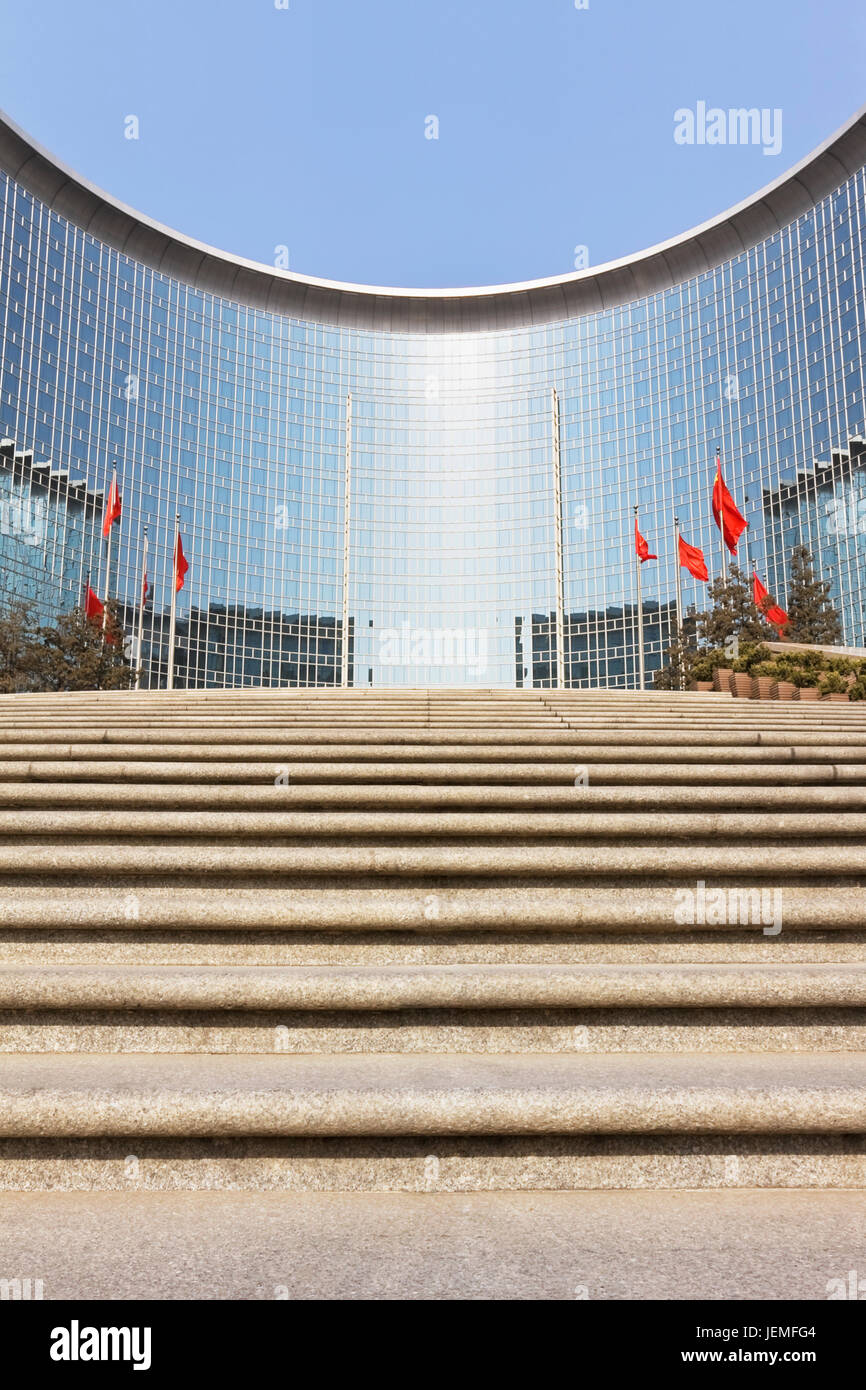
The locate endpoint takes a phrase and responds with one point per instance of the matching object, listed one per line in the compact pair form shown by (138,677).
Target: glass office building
(383,487)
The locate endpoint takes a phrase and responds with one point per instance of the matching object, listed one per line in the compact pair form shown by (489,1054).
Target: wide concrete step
(131,946)
(762,910)
(561,758)
(421,743)
(273,826)
(335,729)
(339,737)
(777,863)
(354,697)
(139,1095)
(410,1031)
(429,1242)
(390,797)
(755,772)
(400,987)
(466,1009)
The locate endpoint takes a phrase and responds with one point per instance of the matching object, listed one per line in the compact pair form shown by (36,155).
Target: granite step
(447,760)
(647,908)
(389,797)
(274,827)
(434,1241)
(476,987)
(136,1096)
(466,1009)
(801,770)
(158,862)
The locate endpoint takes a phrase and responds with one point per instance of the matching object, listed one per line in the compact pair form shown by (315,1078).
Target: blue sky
(304,126)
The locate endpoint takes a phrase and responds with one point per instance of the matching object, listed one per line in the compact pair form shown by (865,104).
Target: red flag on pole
(776,616)
(181,565)
(93,608)
(693,560)
(642,546)
(725,513)
(145,590)
(112,507)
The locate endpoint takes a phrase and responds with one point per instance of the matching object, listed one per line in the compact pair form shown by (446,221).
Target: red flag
(112,507)
(693,560)
(93,608)
(727,517)
(641,546)
(776,616)
(181,565)
(145,590)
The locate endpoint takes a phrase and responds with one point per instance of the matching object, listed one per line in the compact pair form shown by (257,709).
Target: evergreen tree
(812,616)
(19,649)
(78,655)
(679,660)
(733,614)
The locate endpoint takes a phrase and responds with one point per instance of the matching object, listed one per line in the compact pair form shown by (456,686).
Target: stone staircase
(431,941)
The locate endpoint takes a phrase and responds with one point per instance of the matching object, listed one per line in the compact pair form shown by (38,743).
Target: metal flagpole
(561,681)
(169,684)
(679,580)
(347,542)
(108,552)
(722,518)
(141,603)
(641,677)
(679,592)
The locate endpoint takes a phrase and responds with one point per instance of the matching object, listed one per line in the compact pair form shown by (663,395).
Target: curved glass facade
(393,508)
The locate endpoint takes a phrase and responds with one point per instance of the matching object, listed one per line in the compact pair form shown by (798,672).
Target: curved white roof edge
(469,309)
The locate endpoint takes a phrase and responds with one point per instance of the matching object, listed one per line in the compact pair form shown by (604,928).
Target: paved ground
(757,1244)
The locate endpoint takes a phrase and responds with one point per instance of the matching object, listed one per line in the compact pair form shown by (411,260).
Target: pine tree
(679,660)
(20,650)
(78,655)
(812,616)
(733,614)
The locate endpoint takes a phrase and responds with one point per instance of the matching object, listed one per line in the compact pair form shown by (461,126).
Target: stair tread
(777,863)
(443,1093)
(423,1245)
(430,986)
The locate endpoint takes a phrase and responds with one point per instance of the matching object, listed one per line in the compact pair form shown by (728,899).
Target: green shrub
(811,660)
(833,683)
(752,654)
(706,663)
(845,665)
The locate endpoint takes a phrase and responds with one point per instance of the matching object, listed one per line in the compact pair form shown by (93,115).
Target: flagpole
(169,684)
(679,580)
(641,677)
(108,552)
(141,603)
(722,526)
(679,595)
